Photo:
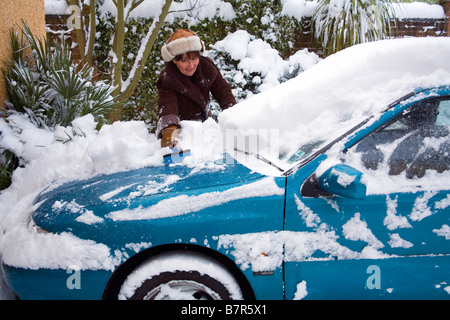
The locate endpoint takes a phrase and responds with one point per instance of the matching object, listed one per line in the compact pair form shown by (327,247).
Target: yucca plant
(43,81)
(339,24)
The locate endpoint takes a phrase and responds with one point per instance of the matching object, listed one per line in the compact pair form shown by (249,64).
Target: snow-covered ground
(353,83)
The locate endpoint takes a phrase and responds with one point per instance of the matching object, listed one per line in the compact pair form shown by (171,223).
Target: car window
(416,142)
(443,118)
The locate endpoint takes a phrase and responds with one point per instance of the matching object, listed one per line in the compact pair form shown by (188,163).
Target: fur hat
(180,42)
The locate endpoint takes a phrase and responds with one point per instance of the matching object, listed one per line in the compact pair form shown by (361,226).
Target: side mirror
(343,180)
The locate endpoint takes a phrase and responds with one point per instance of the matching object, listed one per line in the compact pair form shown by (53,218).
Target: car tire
(180,276)
(181,284)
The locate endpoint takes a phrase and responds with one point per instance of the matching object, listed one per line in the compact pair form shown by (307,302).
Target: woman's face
(187,65)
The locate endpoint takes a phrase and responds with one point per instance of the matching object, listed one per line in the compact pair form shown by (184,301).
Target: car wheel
(180,276)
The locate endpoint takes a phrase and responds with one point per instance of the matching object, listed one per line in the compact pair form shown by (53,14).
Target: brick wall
(403,28)
(56,24)
(446,5)
(420,28)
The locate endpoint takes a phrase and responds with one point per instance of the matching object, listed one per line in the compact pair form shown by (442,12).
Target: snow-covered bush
(43,82)
(212,20)
(267,21)
(252,65)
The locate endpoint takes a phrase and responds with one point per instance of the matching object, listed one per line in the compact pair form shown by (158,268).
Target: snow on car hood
(117,192)
(340,91)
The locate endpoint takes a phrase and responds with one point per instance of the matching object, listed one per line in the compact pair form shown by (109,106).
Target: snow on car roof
(341,90)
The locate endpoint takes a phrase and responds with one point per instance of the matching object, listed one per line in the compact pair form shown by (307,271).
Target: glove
(169,137)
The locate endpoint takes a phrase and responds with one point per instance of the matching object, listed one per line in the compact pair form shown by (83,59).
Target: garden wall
(403,28)
(11,14)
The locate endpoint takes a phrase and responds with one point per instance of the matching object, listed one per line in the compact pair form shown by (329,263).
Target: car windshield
(322,103)
(275,159)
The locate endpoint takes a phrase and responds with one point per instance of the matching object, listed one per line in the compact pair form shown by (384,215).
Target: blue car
(319,229)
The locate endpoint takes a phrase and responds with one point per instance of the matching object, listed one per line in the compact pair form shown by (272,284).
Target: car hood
(90,200)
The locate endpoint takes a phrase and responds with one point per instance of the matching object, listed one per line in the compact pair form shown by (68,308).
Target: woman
(185,84)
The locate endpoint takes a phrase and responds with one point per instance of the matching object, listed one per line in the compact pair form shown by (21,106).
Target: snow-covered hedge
(274,23)
(213,20)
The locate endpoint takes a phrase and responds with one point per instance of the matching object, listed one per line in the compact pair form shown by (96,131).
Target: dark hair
(191,55)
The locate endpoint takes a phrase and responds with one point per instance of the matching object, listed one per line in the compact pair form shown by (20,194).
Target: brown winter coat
(187,98)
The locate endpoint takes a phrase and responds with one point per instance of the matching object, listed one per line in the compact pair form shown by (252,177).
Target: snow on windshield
(339,92)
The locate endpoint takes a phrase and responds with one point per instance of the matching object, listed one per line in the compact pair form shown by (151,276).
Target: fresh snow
(80,152)
(355,229)
(183,204)
(257,56)
(419,10)
(339,92)
(301,291)
(392,220)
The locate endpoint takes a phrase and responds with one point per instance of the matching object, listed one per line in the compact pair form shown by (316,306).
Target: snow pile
(256,56)
(392,220)
(341,90)
(418,10)
(265,251)
(301,291)
(209,9)
(79,151)
(355,229)
(299,8)
(68,153)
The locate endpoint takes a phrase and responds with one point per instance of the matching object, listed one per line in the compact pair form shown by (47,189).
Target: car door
(394,242)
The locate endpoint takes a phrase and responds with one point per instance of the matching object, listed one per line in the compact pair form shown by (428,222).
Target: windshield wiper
(260,157)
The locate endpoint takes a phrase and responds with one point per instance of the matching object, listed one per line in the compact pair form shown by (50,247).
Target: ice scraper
(176,156)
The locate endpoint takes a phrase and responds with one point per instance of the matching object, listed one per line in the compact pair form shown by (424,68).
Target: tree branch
(119,39)
(143,54)
(92,30)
